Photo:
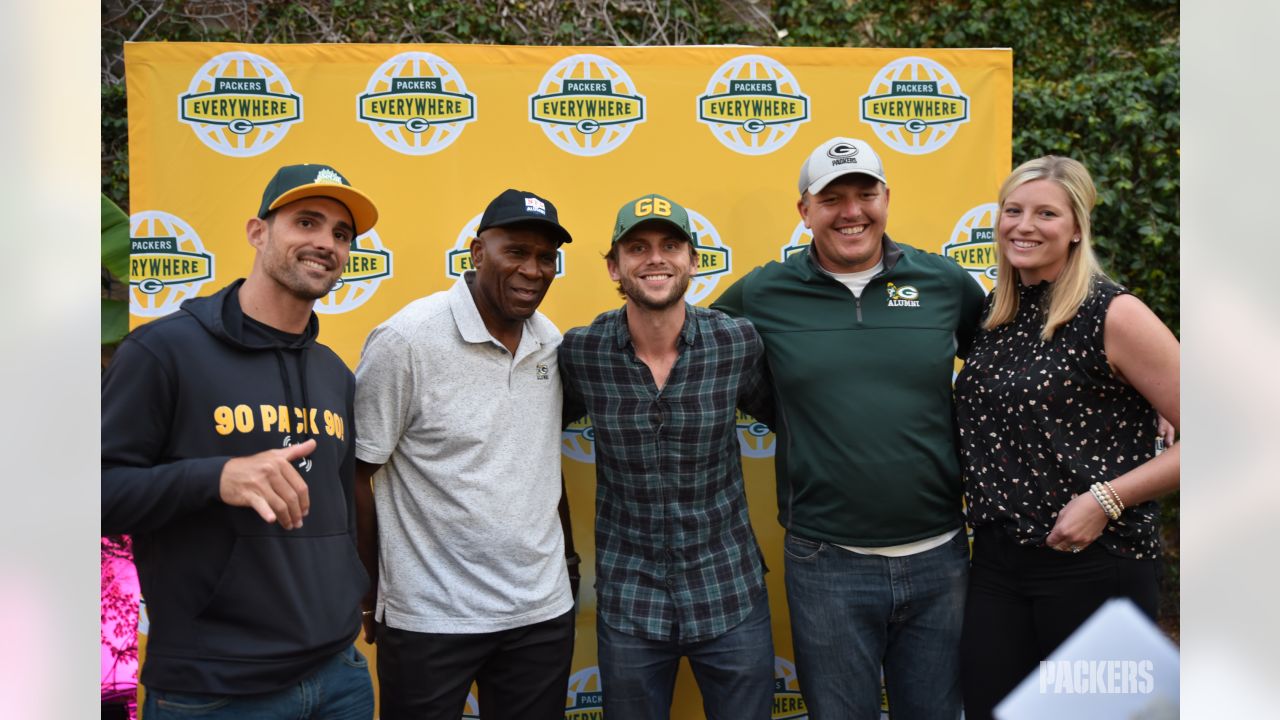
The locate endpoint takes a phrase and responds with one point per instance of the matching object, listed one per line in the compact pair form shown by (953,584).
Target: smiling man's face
(847,219)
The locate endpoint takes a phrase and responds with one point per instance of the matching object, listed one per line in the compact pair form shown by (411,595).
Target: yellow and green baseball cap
(652,207)
(295,182)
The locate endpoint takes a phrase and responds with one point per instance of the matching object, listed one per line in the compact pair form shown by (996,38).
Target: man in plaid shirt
(679,572)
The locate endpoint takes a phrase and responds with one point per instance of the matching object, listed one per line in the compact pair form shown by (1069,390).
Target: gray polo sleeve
(385,393)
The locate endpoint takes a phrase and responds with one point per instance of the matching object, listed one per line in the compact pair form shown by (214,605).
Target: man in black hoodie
(228,453)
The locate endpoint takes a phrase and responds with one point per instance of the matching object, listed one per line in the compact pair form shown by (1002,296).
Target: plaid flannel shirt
(676,558)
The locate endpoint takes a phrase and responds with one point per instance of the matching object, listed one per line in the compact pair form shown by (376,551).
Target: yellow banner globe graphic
(972,244)
(787,702)
(237,134)
(577,442)
(584,682)
(704,280)
(160,280)
(588,136)
(800,236)
(415,133)
(754,438)
(754,135)
(368,266)
(916,125)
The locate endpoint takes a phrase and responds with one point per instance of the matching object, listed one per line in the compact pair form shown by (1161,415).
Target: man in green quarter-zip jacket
(861,334)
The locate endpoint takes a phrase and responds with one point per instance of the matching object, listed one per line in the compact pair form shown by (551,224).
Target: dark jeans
(341,690)
(851,614)
(734,670)
(1024,601)
(521,674)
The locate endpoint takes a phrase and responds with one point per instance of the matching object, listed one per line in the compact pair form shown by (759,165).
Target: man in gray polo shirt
(458,403)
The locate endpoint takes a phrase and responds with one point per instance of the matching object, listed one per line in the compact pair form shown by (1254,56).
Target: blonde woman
(1057,406)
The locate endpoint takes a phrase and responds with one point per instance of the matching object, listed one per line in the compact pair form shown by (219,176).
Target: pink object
(120,596)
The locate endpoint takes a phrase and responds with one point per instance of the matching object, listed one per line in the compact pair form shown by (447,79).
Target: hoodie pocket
(281,595)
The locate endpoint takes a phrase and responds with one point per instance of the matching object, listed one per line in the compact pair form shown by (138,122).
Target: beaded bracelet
(1108,505)
(1115,495)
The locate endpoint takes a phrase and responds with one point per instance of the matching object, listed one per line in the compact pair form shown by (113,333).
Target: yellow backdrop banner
(433,132)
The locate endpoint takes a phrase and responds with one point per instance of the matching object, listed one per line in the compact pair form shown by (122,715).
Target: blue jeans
(852,614)
(340,690)
(734,670)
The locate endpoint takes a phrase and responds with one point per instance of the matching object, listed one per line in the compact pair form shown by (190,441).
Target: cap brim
(817,185)
(363,212)
(558,233)
(642,221)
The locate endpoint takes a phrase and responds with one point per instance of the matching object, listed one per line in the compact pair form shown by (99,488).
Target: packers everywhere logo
(584,699)
(914,105)
(754,438)
(587,105)
(788,704)
(416,103)
(714,258)
(168,263)
(367,266)
(578,441)
(753,105)
(973,244)
(457,259)
(240,104)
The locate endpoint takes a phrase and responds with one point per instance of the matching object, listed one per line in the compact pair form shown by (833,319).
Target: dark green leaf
(115,321)
(115,240)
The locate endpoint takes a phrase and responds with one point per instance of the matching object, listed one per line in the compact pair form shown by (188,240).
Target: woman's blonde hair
(1072,286)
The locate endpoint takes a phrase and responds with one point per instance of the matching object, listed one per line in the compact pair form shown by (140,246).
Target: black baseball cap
(295,182)
(521,206)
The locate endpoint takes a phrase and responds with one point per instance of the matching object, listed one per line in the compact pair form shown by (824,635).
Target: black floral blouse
(1041,422)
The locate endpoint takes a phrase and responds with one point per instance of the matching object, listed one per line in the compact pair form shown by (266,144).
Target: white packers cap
(835,158)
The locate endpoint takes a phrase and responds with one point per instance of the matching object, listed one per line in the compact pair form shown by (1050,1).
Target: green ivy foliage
(1093,79)
(1096,81)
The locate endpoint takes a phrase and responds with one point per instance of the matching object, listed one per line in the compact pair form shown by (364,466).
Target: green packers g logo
(578,441)
(755,440)
(905,296)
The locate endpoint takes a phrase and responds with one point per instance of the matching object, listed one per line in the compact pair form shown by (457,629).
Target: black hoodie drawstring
(304,428)
(306,401)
